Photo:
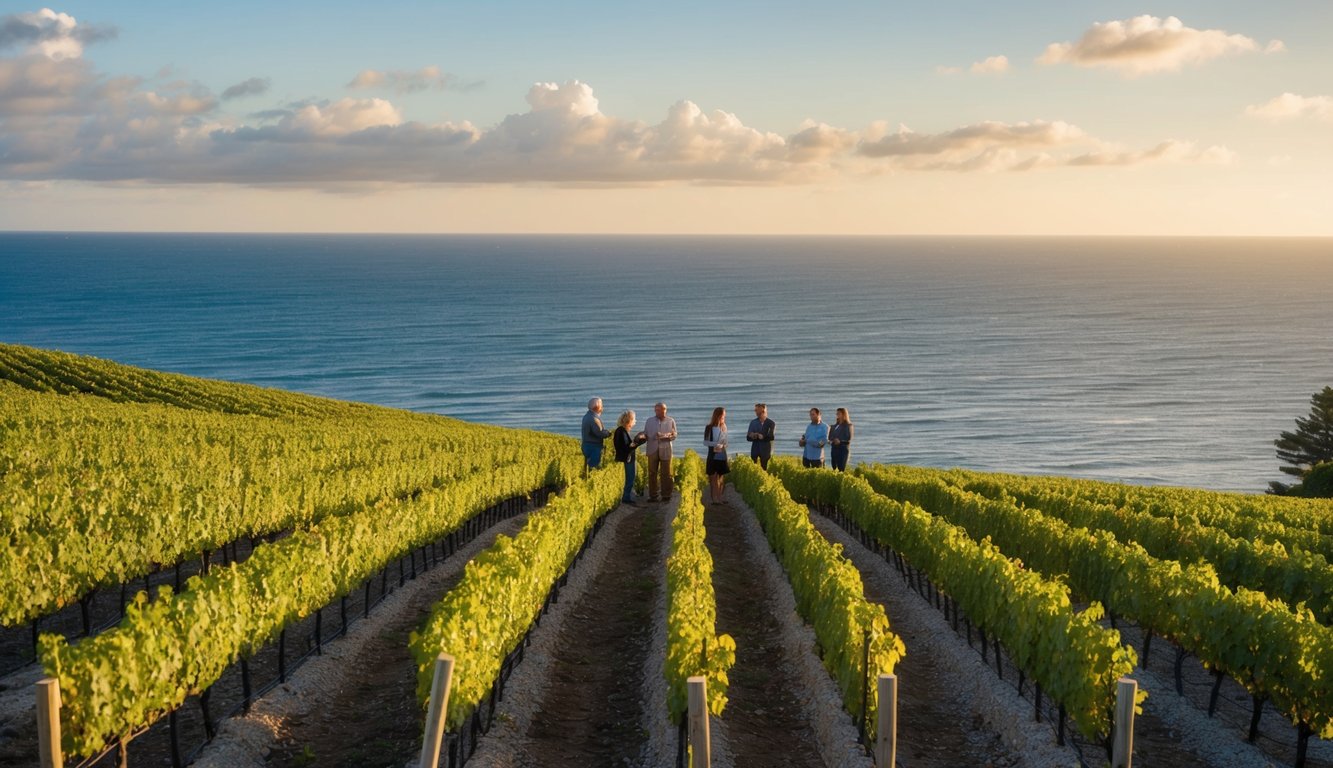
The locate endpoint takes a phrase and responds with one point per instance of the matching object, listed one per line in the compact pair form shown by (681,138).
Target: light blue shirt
(815,436)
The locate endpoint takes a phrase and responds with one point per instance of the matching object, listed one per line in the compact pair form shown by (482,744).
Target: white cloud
(1147,44)
(990,65)
(343,117)
(46,33)
(1291,106)
(413,81)
(61,119)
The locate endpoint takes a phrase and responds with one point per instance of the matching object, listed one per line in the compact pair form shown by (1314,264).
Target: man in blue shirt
(813,441)
(593,434)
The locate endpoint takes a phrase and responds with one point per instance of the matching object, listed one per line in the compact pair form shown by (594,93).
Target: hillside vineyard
(166,534)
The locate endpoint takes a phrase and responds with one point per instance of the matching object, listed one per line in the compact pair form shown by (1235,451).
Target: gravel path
(952,710)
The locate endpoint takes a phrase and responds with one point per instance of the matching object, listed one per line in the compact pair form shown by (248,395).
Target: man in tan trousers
(661,431)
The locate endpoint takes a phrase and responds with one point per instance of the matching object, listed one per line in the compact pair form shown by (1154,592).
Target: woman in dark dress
(626,448)
(840,437)
(715,437)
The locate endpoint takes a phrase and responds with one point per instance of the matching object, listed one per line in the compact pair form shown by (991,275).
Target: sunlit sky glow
(1191,118)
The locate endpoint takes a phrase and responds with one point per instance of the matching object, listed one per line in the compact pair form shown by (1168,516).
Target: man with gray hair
(660,430)
(593,434)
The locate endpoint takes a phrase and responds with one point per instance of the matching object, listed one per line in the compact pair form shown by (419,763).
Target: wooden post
(698,714)
(886,730)
(1122,750)
(48,724)
(439,705)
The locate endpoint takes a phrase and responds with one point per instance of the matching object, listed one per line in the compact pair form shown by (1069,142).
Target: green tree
(1311,444)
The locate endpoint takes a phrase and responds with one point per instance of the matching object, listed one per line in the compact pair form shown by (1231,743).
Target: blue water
(1162,361)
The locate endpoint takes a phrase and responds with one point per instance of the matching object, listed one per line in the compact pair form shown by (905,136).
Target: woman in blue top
(840,437)
(715,437)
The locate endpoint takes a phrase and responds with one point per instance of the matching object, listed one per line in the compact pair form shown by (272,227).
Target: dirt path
(356,704)
(766,724)
(591,711)
(936,726)
(368,715)
(952,711)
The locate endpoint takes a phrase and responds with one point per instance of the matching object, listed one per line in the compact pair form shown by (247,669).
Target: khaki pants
(659,473)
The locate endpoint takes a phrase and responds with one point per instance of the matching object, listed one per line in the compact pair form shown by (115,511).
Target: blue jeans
(628,495)
(592,453)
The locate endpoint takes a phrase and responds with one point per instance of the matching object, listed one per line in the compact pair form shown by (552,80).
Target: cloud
(415,81)
(973,138)
(1291,106)
(995,146)
(61,119)
(52,35)
(1148,44)
(255,86)
(1175,152)
(990,65)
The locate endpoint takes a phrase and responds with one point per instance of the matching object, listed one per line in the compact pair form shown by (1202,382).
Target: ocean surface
(1153,361)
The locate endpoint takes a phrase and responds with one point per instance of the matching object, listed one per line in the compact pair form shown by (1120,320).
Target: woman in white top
(715,437)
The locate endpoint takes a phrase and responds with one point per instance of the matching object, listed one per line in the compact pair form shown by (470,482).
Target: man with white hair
(660,429)
(593,433)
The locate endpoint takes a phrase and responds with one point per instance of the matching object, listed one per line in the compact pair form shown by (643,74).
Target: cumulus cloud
(1291,106)
(1147,44)
(62,119)
(50,34)
(413,81)
(255,86)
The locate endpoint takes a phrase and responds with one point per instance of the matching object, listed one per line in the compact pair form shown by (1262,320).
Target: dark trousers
(812,463)
(761,458)
(840,455)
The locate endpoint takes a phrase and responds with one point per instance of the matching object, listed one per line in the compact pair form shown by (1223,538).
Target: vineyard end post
(48,723)
(698,714)
(439,705)
(886,732)
(1122,749)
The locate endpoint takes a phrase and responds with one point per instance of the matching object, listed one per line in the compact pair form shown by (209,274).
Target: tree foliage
(1311,444)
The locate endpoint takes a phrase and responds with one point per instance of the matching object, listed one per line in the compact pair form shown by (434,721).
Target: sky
(959,118)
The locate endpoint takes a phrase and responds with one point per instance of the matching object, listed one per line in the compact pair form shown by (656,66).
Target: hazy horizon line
(773,235)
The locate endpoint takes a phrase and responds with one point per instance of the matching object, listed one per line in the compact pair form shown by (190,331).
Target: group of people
(659,435)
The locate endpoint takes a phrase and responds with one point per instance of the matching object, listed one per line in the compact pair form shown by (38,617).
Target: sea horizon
(1169,361)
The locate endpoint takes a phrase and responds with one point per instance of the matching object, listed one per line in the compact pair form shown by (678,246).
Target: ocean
(1153,361)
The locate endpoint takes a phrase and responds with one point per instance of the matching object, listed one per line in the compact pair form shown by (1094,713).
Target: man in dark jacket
(760,435)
